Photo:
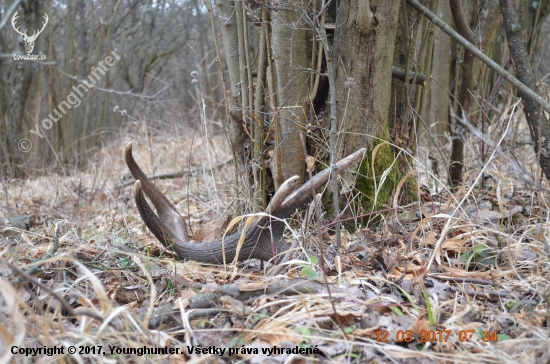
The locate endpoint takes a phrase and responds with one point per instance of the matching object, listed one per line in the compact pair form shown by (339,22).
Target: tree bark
(259,103)
(235,131)
(437,108)
(362,53)
(489,23)
(363,76)
(289,49)
(539,127)
(458,133)
(526,91)
(18,117)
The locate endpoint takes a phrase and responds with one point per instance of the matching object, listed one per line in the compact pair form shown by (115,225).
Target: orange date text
(432,336)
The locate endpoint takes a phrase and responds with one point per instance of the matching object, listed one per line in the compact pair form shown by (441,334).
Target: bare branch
(413,77)
(526,91)
(7,14)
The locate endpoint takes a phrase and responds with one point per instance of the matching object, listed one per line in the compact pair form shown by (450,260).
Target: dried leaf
(152,246)
(278,334)
(390,259)
(420,324)
(6,335)
(430,239)
(345,318)
(367,235)
(368,333)
(529,319)
(193,269)
(112,287)
(134,304)
(212,230)
(234,305)
(460,273)
(493,216)
(187,293)
(454,245)
(310,164)
(87,253)
(445,347)
(413,272)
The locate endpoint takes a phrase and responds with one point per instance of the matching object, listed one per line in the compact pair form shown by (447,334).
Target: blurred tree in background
(159,44)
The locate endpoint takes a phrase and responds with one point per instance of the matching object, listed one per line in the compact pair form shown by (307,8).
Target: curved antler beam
(170,217)
(263,240)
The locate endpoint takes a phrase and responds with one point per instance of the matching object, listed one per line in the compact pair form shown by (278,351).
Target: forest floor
(454,277)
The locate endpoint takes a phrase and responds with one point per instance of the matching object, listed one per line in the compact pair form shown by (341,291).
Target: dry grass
(451,265)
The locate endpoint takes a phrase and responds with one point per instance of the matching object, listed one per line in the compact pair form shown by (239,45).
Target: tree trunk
(362,54)
(437,108)
(538,123)
(289,49)
(456,169)
(489,23)
(235,131)
(18,117)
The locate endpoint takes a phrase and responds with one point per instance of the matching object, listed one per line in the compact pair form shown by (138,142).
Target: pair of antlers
(262,240)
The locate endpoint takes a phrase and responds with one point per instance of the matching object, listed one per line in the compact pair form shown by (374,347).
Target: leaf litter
(482,299)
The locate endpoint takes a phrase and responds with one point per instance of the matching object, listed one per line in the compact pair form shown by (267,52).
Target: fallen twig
(169,175)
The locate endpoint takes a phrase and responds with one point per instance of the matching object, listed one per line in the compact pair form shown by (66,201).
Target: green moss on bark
(365,202)
(369,199)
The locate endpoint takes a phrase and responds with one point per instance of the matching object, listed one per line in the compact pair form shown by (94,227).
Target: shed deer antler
(263,240)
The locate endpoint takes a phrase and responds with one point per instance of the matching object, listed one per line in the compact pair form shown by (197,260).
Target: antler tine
(161,232)
(300,195)
(169,220)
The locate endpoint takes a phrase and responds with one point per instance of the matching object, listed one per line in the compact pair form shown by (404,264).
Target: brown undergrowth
(457,277)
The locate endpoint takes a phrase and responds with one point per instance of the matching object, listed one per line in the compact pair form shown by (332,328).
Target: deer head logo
(29,40)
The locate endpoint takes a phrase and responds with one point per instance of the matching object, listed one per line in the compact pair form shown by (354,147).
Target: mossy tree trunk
(363,53)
